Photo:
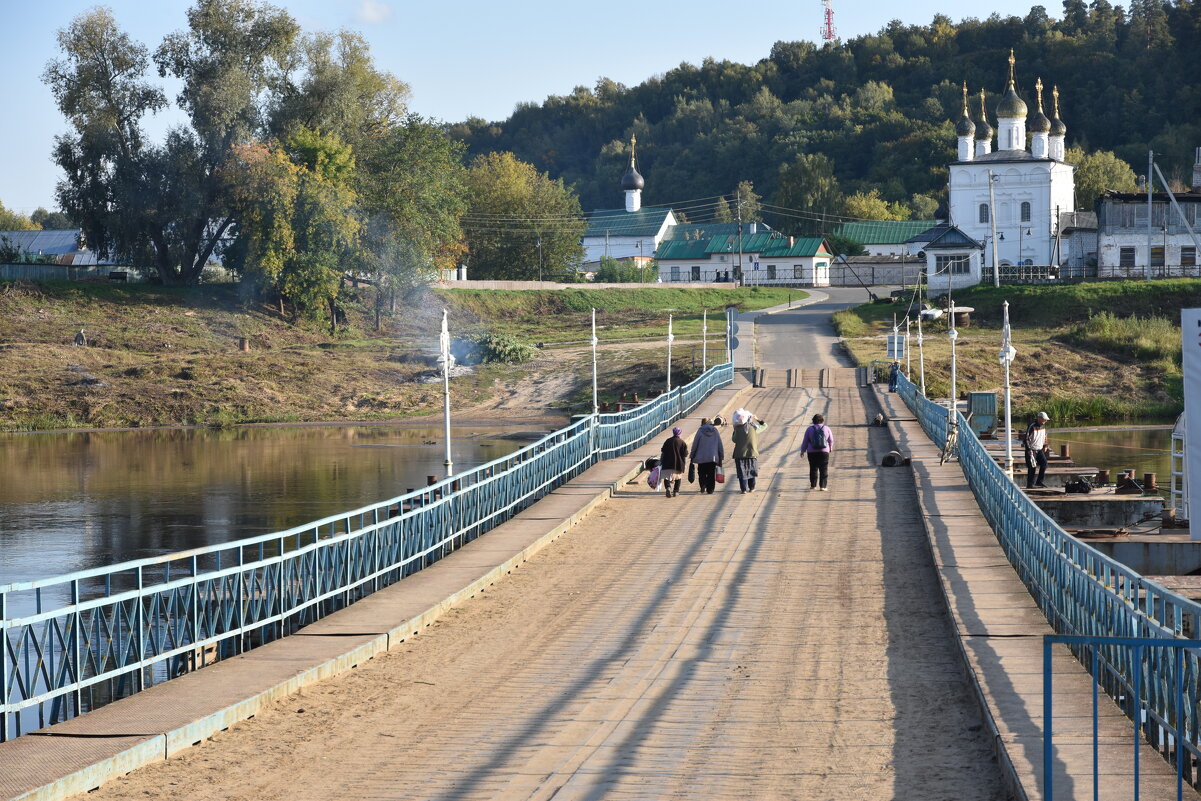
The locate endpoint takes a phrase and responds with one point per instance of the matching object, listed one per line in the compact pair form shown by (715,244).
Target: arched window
(983,212)
(1025,211)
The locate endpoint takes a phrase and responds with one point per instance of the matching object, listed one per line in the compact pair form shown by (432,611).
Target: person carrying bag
(707,454)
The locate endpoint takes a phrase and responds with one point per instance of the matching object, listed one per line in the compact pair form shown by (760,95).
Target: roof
(1003,156)
(945,236)
(1156,197)
(800,247)
(61,242)
(647,221)
(706,230)
(1077,221)
(690,249)
(751,243)
(883,232)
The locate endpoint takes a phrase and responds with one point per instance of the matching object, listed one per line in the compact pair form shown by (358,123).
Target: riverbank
(162,356)
(1090,352)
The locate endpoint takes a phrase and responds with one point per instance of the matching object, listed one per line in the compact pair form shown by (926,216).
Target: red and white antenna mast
(828,32)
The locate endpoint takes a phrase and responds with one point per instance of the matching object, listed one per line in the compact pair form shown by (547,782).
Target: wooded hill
(879,108)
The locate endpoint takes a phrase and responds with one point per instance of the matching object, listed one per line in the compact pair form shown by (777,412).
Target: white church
(1030,187)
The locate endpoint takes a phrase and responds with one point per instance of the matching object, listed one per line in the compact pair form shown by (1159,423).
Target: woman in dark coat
(673,461)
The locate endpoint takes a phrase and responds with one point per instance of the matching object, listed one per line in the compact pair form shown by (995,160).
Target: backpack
(818,440)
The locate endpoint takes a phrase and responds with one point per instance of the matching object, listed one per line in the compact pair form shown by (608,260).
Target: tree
(870,206)
(1098,172)
(51,220)
(519,220)
(163,206)
(746,203)
(11,221)
(810,191)
(298,228)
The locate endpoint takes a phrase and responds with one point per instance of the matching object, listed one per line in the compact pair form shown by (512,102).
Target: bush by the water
(1148,339)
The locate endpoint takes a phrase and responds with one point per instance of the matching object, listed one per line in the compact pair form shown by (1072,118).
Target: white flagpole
(595,400)
(908,356)
(704,340)
(1007,355)
(447,361)
(670,339)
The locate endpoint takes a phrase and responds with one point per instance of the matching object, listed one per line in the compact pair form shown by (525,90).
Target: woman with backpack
(818,444)
(673,461)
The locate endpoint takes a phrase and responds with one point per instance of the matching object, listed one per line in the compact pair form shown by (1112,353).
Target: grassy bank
(1092,352)
(557,316)
(168,356)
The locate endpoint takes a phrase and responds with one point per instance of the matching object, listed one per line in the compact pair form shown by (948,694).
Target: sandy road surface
(777,645)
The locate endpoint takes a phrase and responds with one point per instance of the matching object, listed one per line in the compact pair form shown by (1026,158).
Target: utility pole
(539,258)
(992,219)
(741,272)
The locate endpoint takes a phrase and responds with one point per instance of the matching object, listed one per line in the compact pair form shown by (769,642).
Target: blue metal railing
(1081,591)
(127,626)
(1173,662)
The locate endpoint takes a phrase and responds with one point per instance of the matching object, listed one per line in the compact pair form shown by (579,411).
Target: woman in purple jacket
(818,444)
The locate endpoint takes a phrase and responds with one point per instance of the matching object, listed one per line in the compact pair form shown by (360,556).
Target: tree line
(297,165)
(865,128)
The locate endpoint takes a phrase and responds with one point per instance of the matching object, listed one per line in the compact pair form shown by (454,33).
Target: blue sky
(467,58)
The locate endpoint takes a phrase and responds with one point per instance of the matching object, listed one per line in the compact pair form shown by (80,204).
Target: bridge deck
(780,644)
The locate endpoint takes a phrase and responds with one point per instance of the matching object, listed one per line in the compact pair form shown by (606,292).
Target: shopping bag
(692,472)
(652,478)
(721,475)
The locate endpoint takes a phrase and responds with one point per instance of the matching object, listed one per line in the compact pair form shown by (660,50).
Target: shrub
(493,348)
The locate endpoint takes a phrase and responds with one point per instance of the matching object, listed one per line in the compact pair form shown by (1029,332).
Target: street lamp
(921,355)
(953,335)
(1006,357)
(704,340)
(447,361)
(594,341)
(670,339)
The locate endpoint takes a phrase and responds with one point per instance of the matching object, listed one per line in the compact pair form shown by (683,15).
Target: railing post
(77,664)
(140,625)
(1048,753)
(3,669)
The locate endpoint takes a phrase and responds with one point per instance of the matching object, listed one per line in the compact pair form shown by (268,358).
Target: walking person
(817,445)
(746,448)
(673,461)
(1037,449)
(894,372)
(707,454)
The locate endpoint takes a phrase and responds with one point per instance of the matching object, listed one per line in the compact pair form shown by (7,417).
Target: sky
(460,58)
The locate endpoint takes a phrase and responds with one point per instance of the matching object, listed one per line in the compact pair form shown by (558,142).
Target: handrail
(120,628)
(1081,591)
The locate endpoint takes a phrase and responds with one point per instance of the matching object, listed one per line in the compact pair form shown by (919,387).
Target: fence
(135,624)
(1082,592)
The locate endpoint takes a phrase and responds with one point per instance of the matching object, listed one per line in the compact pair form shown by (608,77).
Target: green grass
(1148,339)
(1068,304)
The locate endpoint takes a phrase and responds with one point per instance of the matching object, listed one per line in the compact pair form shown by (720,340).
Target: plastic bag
(652,478)
(721,475)
(742,416)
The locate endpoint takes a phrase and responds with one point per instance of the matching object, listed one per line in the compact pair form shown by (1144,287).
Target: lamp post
(539,258)
(447,361)
(670,338)
(921,355)
(992,219)
(908,356)
(953,335)
(1006,357)
(704,340)
(595,341)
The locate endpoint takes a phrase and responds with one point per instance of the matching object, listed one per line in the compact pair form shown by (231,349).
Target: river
(71,501)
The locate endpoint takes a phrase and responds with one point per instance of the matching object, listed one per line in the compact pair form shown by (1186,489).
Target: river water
(1146,450)
(71,501)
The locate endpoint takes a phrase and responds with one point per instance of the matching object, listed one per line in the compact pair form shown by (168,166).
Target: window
(1188,256)
(675,273)
(1157,256)
(696,272)
(983,212)
(958,265)
(798,271)
(771,272)
(1126,257)
(1025,211)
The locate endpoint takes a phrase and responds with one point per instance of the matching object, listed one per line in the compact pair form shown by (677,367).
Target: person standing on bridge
(708,453)
(673,461)
(817,445)
(746,448)
(894,372)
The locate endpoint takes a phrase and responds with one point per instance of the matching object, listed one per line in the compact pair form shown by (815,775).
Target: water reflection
(81,500)
(1117,449)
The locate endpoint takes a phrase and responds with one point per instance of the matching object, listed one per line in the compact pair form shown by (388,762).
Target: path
(782,644)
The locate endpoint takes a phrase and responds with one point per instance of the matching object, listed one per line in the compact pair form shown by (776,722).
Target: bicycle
(950,448)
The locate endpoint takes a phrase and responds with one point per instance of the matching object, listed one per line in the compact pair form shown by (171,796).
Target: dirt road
(776,645)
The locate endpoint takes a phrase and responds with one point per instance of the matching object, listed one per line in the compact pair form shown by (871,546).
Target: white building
(714,253)
(1124,237)
(629,234)
(1030,187)
(953,259)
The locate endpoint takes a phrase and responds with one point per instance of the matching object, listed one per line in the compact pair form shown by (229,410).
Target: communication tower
(827,31)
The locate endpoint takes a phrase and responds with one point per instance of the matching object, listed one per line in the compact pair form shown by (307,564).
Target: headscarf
(677,431)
